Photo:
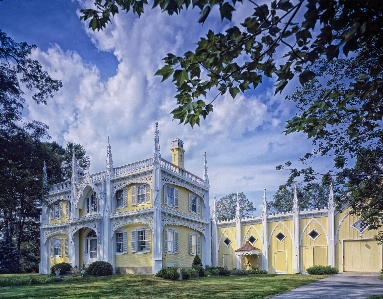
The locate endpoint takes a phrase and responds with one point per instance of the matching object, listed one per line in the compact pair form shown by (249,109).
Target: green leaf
(180,76)
(234,91)
(165,72)
(306,76)
(204,14)
(226,11)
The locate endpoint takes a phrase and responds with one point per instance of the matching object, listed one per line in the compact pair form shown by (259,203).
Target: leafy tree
(295,33)
(225,207)
(9,255)
(310,196)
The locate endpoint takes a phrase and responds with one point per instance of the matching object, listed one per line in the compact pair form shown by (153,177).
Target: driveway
(351,285)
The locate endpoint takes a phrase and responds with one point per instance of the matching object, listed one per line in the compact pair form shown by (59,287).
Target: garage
(362,255)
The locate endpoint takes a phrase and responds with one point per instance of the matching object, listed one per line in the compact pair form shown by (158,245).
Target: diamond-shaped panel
(313,234)
(227,241)
(252,239)
(360,226)
(280,236)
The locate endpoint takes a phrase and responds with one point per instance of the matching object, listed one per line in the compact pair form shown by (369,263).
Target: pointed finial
(264,206)
(205,174)
(157,154)
(237,210)
(331,198)
(45,176)
(295,200)
(213,211)
(109,159)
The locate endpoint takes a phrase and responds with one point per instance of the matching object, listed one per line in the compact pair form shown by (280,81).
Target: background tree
(226,206)
(294,33)
(310,196)
(10,256)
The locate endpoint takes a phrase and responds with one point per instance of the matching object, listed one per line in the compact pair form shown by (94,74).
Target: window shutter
(133,242)
(147,193)
(190,244)
(198,206)
(147,239)
(68,208)
(175,242)
(176,197)
(60,246)
(166,240)
(60,209)
(52,248)
(87,203)
(134,195)
(166,194)
(51,212)
(198,245)
(190,202)
(86,249)
(124,196)
(125,242)
(66,246)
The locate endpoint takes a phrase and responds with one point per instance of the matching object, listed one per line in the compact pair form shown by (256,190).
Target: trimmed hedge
(168,273)
(322,270)
(256,271)
(64,267)
(100,268)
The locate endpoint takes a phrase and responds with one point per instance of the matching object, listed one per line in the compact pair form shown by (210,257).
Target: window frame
(119,197)
(91,204)
(194,236)
(144,247)
(171,241)
(194,201)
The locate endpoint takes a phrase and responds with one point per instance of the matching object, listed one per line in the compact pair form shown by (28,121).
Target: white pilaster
(214,238)
(238,234)
(331,224)
(157,217)
(265,240)
(296,266)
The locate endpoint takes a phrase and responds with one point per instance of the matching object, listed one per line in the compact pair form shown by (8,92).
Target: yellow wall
(183,200)
(82,210)
(64,216)
(280,253)
(132,259)
(55,260)
(226,254)
(130,206)
(183,258)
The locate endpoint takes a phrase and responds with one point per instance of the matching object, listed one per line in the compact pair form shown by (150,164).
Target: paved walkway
(343,286)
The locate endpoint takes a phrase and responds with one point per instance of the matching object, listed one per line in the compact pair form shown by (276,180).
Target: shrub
(185,274)
(64,267)
(381,271)
(322,270)
(100,268)
(238,272)
(214,272)
(168,273)
(197,264)
(256,270)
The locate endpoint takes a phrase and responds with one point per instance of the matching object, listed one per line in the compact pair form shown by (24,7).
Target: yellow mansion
(151,214)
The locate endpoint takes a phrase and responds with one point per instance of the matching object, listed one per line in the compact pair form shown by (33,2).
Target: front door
(90,254)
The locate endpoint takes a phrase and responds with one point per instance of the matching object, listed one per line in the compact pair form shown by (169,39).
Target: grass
(140,287)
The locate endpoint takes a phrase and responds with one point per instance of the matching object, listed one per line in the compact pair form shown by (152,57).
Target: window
(360,226)
(252,239)
(119,199)
(91,244)
(121,242)
(91,204)
(171,196)
(140,240)
(194,204)
(280,236)
(313,234)
(56,211)
(194,244)
(227,242)
(140,194)
(171,241)
(56,247)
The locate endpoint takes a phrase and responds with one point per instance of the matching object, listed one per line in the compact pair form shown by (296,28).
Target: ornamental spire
(331,199)
(157,154)
(295,200)
(264,206)
(237,210)
(45,176)
(205,174)
(74,168)
(109,159)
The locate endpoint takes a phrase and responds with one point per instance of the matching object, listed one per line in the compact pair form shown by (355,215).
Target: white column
(331,224)
(157,216)
(44,255)
(206,240)
(296,267)
(238,235)
(214,238)
(265,235)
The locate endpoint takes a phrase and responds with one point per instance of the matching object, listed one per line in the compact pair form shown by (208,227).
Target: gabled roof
(247,249)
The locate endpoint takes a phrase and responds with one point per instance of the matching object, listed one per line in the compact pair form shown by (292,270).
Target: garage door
(362,255)
(314,255)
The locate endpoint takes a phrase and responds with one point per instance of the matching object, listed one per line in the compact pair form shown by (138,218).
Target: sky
(109,89)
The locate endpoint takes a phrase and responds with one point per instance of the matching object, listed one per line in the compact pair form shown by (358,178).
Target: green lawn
(138,286)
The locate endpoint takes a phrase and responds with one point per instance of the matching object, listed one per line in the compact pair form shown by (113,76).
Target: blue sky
(109,89)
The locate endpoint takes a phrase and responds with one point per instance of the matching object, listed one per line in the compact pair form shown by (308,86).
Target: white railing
(64,186)
(133,166)
(98,176)
(186,174)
